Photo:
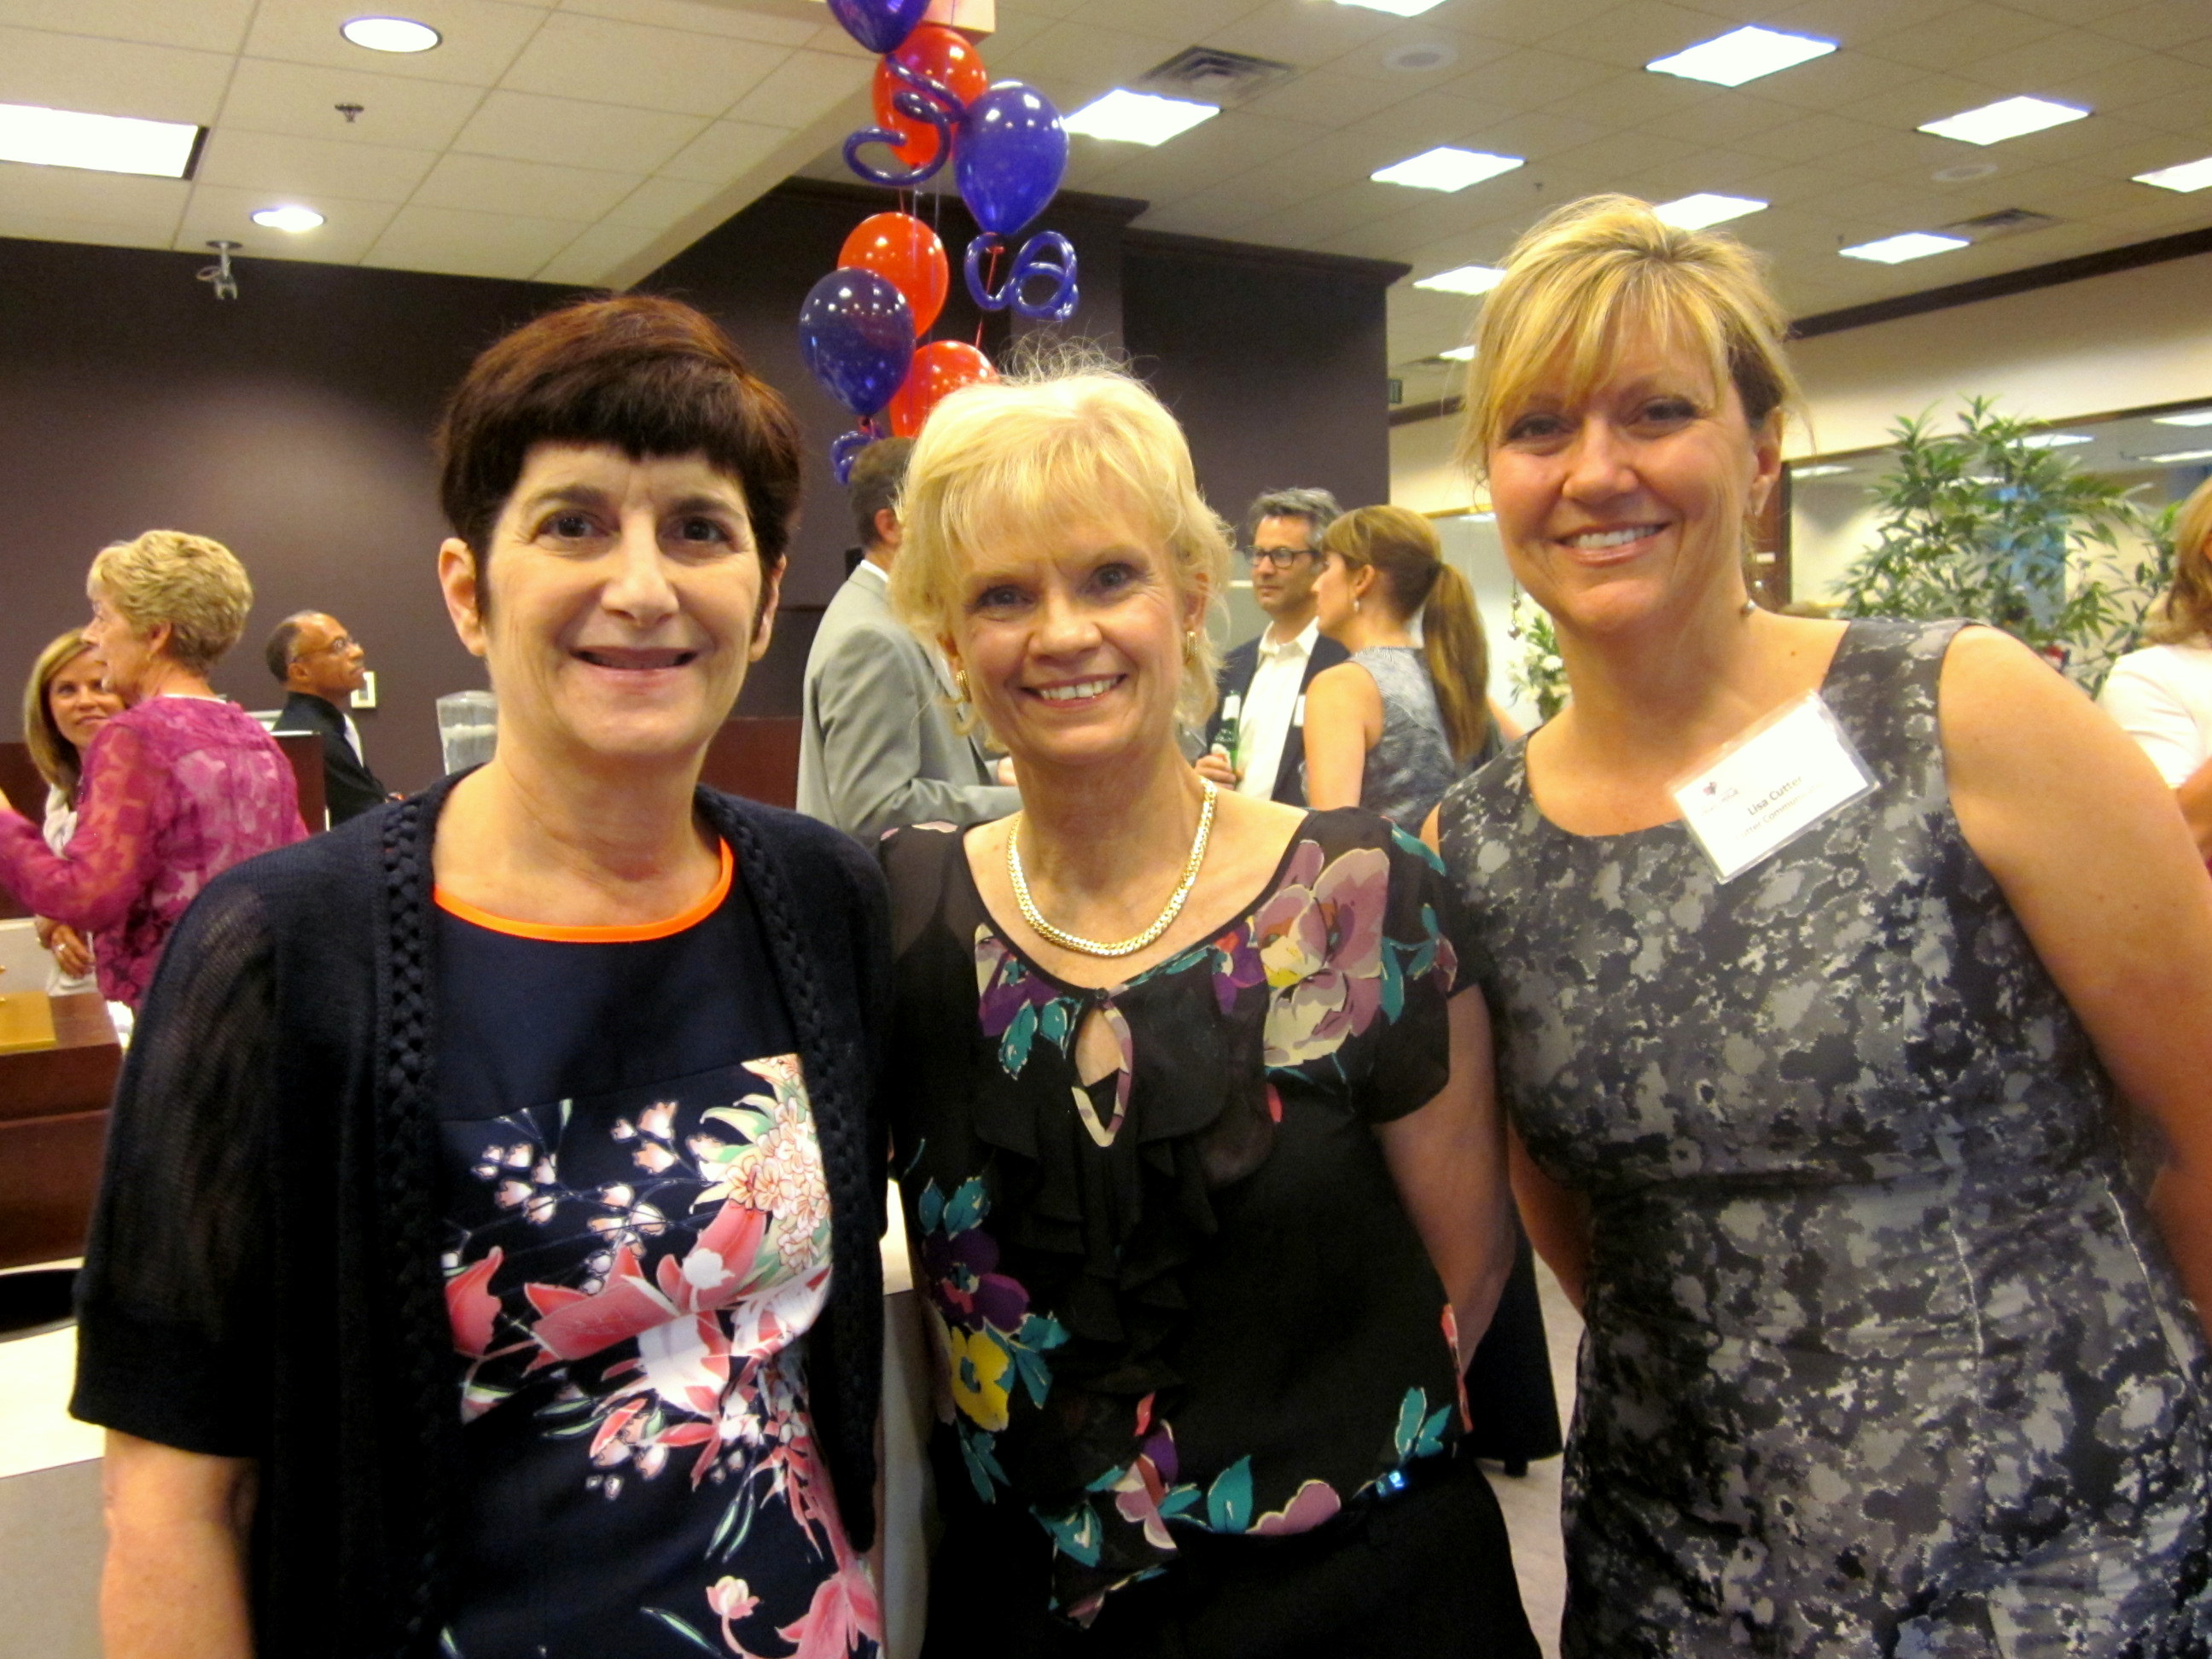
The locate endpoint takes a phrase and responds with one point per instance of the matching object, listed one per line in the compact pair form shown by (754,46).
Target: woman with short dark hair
(487,1263)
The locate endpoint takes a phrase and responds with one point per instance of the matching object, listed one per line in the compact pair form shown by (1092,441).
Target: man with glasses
(317,661)
(1257,739)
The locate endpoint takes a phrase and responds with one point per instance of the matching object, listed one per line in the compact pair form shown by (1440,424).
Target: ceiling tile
(1834,83)
(469,244)
(1807,138)
(497,184)
(349,230)
(1535,79)
(482,38)
(1327,98)
(1537,134)
(302,101)
(1959,38)
(1719,121)
(1851,23)
(594,253)
(100,232)
(572,133)
(2185,115)
(104,198)
(667,70)
(2144,74)
(1174,23)
(1636,98)
(303,169)
(2159,25)
(2074,11)
(2053,67)
(206,25)
(110,77)
(1300,32)
(1527,22)
(1082,54)
(1369,60)
(1914,99)
(793,27)
(1632,35)
(801,89)
(1697,170)
(724,150)
(659,202)
(1621,154)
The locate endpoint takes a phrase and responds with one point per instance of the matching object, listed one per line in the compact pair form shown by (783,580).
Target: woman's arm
(1508,727)
(110,861)
(2080,834)
(174,1583)
(1448,1161)
(1557,1217)
(1344,720)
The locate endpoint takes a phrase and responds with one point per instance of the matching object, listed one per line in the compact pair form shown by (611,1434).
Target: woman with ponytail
(1400,723)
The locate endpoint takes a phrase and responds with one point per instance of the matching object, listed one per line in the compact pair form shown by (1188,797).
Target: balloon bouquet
(934,102)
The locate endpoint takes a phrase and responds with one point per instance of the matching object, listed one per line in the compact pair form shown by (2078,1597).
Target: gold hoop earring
(959,683)
(1190,644)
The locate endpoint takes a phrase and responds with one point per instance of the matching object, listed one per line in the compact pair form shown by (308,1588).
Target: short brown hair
(195,585)
(646,376)
(2186,616)
(879,476)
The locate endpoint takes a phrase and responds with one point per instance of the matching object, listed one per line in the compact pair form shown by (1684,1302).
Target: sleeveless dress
(1411,765)
(1884,1356)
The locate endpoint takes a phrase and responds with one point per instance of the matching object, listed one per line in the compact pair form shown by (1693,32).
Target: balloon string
(990,286)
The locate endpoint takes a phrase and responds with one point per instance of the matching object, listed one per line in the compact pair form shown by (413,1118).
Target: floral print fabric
(176,790)
(1183,1296)
(1883,1356)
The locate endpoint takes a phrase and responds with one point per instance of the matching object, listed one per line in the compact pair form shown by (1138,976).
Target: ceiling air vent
(1213,76)
(2005,222)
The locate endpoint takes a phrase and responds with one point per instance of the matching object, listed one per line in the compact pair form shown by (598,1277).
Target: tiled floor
(1531,1503)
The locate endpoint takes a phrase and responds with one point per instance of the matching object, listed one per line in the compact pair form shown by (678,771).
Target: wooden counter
(53,1120)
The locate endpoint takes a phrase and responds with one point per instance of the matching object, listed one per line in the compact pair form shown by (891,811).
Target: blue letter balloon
(856,333)
(879,25)
(1011,151)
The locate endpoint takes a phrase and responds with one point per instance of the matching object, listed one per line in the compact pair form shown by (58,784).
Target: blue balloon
(856,333)
(879,25)
(1047,254)
(1011,152)
(919,100)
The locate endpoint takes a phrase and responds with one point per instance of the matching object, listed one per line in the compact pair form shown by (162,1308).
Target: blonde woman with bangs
(64,705)
(1815,1116)
(1202,1173)
(2161,694)
(178,786)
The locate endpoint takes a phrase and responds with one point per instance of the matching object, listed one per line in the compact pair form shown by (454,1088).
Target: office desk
(53,1119)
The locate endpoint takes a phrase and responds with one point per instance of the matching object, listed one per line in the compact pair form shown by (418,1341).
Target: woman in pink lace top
(177,787)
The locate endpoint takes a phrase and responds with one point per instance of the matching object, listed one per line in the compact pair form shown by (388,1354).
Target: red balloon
(906,253)
(940,368)
(946,57)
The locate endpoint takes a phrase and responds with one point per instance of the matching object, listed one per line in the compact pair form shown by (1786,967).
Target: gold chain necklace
(1127,946)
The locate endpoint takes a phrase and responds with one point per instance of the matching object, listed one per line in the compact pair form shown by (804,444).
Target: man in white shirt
(1257,739)
(877,745)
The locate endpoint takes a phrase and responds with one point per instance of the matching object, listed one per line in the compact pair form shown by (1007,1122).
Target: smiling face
(79,700)
(625,603)
(1072,639)
(1628,504)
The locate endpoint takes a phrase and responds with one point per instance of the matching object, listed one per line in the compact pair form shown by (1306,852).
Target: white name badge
(1780,779)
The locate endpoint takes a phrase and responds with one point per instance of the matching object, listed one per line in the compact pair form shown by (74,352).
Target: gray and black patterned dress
(1884,1357)
(1411,765)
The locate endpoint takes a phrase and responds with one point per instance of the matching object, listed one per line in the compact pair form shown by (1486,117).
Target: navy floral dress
(1183,1301)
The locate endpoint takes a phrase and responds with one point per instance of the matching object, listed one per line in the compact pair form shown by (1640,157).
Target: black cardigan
(263,1277)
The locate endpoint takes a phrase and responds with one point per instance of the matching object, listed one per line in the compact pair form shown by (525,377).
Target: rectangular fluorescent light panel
(1825,469)
(2008,117)
(1896,250)
(1742,55)
(2174,455)
(1395,8)
(1446,168)
(99,143)
(2185,178)
(1138,117)
(2187,418)
(2056,440)
(1458,355)
(1462,279)
(1696,212)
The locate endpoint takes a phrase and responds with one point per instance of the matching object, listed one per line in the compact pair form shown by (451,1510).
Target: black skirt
(1428,1571)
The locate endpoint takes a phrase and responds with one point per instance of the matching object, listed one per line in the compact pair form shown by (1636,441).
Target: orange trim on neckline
(633,934)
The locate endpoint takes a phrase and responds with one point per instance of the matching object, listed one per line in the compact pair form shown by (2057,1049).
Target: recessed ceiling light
(2172,456)
(99,143)
(1825,469)
(294,219)
(2189,175)
(1458,355)
(1139,118)
(1445,168)
(1395,8)
(1419,59)
(1742,55)
(2188,417)
(1696,212)
(391,34)
(1463,279)
(2056,440)
(1896,250)
(2008,117)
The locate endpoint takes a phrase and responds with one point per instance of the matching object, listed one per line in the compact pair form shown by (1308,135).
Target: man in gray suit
(876,747)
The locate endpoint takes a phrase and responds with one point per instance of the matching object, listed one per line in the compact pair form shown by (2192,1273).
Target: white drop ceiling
(585,140)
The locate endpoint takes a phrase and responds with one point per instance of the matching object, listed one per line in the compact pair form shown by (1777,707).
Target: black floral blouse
(1186,1296)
